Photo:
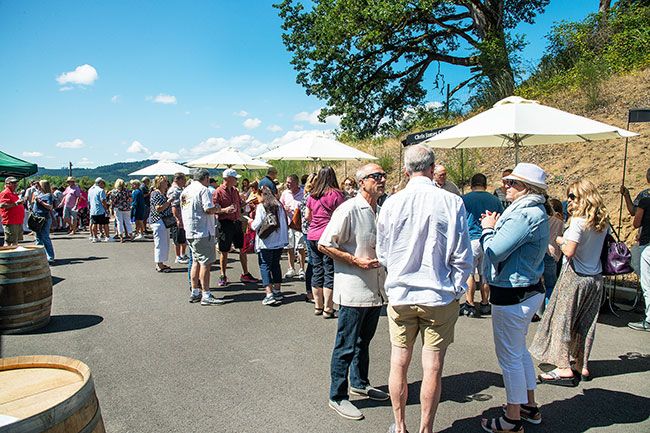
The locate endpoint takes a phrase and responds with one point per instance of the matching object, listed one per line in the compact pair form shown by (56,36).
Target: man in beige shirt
(350,239)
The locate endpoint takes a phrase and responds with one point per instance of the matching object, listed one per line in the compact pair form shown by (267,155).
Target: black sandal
(493,425)
(318,311)
(530,414)
(330,314)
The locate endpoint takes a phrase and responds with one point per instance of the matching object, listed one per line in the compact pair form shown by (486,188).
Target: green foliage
(368,59)
(461,165)
(580,55)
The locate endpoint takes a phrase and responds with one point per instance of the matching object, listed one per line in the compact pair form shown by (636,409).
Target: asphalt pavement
(161,364)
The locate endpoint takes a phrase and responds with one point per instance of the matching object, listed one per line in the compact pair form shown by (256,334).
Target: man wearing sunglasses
(12,212)
(349,239)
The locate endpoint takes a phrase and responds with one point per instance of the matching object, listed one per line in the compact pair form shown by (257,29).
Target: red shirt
(224,197)
(14,215)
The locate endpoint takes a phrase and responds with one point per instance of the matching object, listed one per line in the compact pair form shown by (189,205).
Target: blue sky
(96,82)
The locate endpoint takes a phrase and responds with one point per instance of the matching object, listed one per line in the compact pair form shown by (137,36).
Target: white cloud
(77,143)
(241,113)
(312,118)
(137,147)
(252,123)
(245,143)
(274,128)
(163,99)
(82,75)
(32,154)
(115,99)
(434,104)
(164,155)
(65,88)
(85,162)
(298,127)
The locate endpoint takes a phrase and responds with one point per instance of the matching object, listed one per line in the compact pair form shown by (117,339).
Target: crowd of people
(422,251)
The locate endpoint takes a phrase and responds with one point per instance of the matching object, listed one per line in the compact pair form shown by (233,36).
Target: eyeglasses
(377,176)
(509,183)
(571,196)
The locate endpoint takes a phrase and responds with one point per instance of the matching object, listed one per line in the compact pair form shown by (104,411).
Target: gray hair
(365,170)
(418,158)
(200,174)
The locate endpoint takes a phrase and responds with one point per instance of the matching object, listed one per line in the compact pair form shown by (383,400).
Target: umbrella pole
(462,172)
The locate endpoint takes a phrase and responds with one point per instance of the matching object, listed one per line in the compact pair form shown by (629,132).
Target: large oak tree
(367,58)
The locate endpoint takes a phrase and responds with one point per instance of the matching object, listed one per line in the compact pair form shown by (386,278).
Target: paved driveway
(161,364)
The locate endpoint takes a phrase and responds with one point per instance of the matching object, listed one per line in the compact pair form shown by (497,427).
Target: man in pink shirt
(290,199)
(12,212)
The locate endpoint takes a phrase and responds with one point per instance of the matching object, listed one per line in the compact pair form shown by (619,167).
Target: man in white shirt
(290,199)
(440,180)
(349,239)
(198,219)
(423,240)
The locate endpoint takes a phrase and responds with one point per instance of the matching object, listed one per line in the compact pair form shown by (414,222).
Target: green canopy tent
(11,166)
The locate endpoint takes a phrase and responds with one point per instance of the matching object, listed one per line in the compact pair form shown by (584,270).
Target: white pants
(123,219)
(510,326)
(160,242)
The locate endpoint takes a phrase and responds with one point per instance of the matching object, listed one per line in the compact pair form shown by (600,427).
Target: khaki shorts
(204,250)
(13,233)
(435,324)
(477,254)
(296,240)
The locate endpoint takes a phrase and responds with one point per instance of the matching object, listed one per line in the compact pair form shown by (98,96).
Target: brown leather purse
(296,221)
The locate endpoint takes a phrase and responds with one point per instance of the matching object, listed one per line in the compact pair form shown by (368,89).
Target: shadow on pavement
(461,388)
(56,280)
(593,408)
(77,260)
(68,322)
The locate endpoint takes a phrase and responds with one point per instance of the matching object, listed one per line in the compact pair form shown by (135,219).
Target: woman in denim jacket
(514,245)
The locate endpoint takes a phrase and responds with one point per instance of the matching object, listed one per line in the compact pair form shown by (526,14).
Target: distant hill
(108,172)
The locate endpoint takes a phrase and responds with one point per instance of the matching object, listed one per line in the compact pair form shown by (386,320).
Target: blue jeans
(269,261)
(43,238)
(189,269)
(550,275)
(356,327)
(310,269)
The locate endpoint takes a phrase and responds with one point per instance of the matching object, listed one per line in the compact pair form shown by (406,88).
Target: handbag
(616,258)
(269,224)
(249,242)
(169,221)
(296,221)
(35,222)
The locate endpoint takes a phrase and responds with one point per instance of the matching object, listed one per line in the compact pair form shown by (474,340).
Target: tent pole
(620,208)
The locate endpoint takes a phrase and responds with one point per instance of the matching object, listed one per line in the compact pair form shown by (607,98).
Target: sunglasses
(571,196)
(510,182)
(377,176)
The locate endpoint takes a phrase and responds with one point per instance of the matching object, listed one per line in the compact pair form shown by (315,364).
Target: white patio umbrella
(515,122)
(315,147)
(228,158)
(163,167)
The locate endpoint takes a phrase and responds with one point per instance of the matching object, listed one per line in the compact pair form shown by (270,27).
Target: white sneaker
(94,240)
(182,260)
(301,274)
(138,237)
(290,273)
(103,239)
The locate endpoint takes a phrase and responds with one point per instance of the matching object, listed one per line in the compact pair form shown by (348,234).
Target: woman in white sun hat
(514,244)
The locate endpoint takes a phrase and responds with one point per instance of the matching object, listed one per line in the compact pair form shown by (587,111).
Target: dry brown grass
(600,161)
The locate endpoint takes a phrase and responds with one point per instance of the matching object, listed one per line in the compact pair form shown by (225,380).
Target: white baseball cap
(229,172)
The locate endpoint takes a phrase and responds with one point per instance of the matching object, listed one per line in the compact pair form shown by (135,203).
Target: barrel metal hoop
(24,279)
(27,305)
(25,328)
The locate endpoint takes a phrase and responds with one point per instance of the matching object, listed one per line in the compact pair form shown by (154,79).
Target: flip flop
(164,270)
(556,379)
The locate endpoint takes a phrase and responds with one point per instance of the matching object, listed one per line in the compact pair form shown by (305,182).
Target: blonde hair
(158,180)
(135,183)
(310,182)
(45,186)
(119,184)
(589,204)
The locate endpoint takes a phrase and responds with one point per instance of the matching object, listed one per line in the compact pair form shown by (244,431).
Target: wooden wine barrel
(25,289)
(51,394)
